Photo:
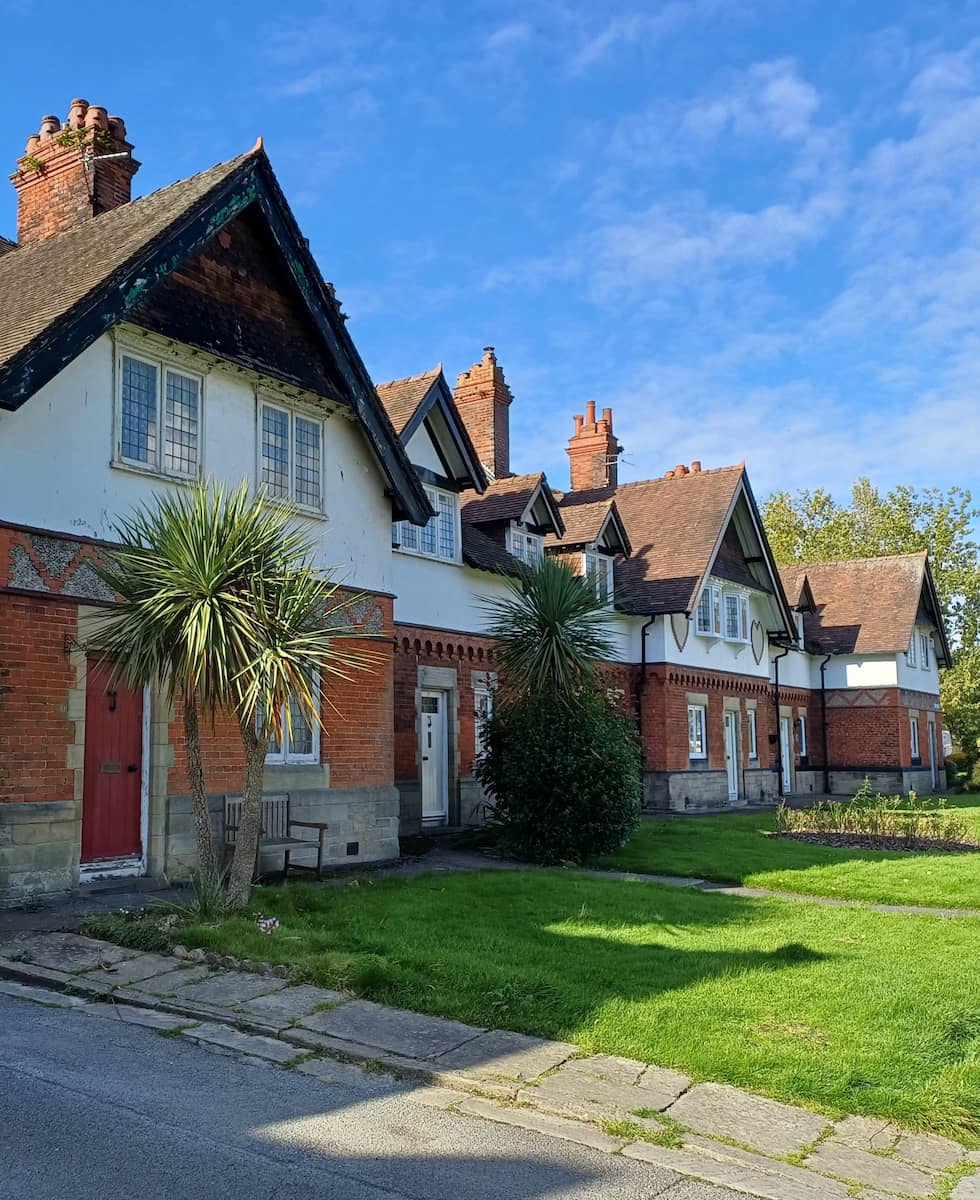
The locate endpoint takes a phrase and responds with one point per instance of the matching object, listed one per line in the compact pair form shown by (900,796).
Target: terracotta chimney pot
(578,422)
(680,469)
(49,127)
(668,474)
(76,114)
(96,117)
(695,466)
(590,412)
(607,417)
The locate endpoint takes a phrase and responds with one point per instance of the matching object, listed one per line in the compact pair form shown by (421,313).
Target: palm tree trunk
(250,825)
(207,864)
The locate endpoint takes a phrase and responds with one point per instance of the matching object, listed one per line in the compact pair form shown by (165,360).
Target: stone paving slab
(831,1188)
(573,1093)
(626,1071)
(928,1150)
(167,983)
(394,1029)
(558,1127)
(763,1183)
(135,970)
(500,1053)
(722,1111)
(967,1189)
(291,1003)
(866,1133)
(63,951)
(150,1018)
(887,1174)
(330,1071)
(213,1034)
(435,1097)
(229,988)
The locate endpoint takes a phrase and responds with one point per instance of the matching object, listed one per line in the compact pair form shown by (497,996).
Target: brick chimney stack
(72,171)
(483,400)
(593,451)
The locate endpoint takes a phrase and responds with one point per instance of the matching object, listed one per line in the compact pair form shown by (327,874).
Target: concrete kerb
(511,1101)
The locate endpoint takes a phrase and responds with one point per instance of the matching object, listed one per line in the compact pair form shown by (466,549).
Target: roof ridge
(866,558)
(689,474)
(72,230)
(436,370)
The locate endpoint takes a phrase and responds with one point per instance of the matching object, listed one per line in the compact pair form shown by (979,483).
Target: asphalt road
(93,1109)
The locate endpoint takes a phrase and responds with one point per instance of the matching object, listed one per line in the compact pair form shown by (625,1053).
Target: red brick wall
(415,647)
(355,741)
(483,400)
(874,729)
(35,677)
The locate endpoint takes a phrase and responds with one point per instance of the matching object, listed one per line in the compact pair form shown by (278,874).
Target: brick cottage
(188,334)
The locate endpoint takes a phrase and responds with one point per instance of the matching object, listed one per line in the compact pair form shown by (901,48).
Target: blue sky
(751,228)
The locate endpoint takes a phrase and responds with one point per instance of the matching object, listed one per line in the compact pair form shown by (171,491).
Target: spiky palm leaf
(550,631)
(221,602)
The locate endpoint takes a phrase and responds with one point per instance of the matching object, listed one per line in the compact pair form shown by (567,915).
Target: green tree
(810,526)
(560,763)
(220,603)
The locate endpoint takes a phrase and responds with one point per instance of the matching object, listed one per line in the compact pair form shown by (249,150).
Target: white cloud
(507,37)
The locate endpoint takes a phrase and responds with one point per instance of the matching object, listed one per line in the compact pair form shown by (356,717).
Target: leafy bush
(563,777)
(909,819)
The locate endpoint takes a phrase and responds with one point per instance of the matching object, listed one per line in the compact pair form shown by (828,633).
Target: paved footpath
(621,1107)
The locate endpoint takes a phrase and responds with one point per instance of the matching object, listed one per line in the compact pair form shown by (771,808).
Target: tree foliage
(560,764)
(810,526)
(221,604)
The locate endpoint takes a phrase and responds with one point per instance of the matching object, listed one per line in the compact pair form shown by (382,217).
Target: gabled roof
(402,397)
(59,294)
(426,399)
(510,498)
(797,588)
(677,526)
(868,605)
(588,522)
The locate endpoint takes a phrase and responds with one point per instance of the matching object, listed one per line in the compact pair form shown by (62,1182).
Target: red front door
(111,802)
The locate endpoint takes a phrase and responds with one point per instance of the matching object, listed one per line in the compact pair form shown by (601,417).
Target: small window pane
(301,732)
(181,424)
(695,730)
(732,624)
(275,452)
(716,611)
(753,735)
(427,536)
(447,526)
(139,411)
(308,463)
(410,535)
(704,611)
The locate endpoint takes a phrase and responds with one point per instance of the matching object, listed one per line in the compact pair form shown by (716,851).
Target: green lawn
(846,1010)
(732,847)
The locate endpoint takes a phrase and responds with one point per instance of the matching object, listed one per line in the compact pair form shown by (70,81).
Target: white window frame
(910,653)
(699,713)
(482,712)
(802,728)
(284,755)
(408,538)
(753,733)
(163,366)
(519,542)
(716,614)
(293,415)
(597,568)
(924,658)
(914,733)
(742,624)
(800,630)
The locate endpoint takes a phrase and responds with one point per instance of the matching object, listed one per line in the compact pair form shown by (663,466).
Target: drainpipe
(823,719)
(641,687)
(779,725)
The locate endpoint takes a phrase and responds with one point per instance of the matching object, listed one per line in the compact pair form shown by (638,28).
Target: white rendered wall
(56,467)
(864,671)
(442,595)
(422,453)
(915,678)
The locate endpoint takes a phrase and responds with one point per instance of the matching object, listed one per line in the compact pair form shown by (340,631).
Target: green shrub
(563,777)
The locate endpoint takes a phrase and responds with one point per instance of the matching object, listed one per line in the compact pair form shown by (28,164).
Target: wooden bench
(277,833)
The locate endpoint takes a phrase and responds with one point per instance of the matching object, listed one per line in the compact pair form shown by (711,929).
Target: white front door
(731,755)
(432,748)
(931,727)
(786,754)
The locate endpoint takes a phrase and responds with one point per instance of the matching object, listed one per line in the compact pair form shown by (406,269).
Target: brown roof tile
(864,605)
(504,500)
(673,526)
(401,397)
(40,282)
(583,519)
(485,554)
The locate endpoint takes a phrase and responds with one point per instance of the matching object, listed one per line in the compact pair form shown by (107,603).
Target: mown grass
(846,1010)
(732,847)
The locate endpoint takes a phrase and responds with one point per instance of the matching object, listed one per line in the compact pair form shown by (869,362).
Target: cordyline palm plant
(549,632)
(221,603)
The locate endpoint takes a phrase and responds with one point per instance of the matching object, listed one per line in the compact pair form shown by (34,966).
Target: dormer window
(598,571)
(525,546)
(723,614)
(440,537)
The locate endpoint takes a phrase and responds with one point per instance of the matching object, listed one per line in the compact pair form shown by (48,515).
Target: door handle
(133,768)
